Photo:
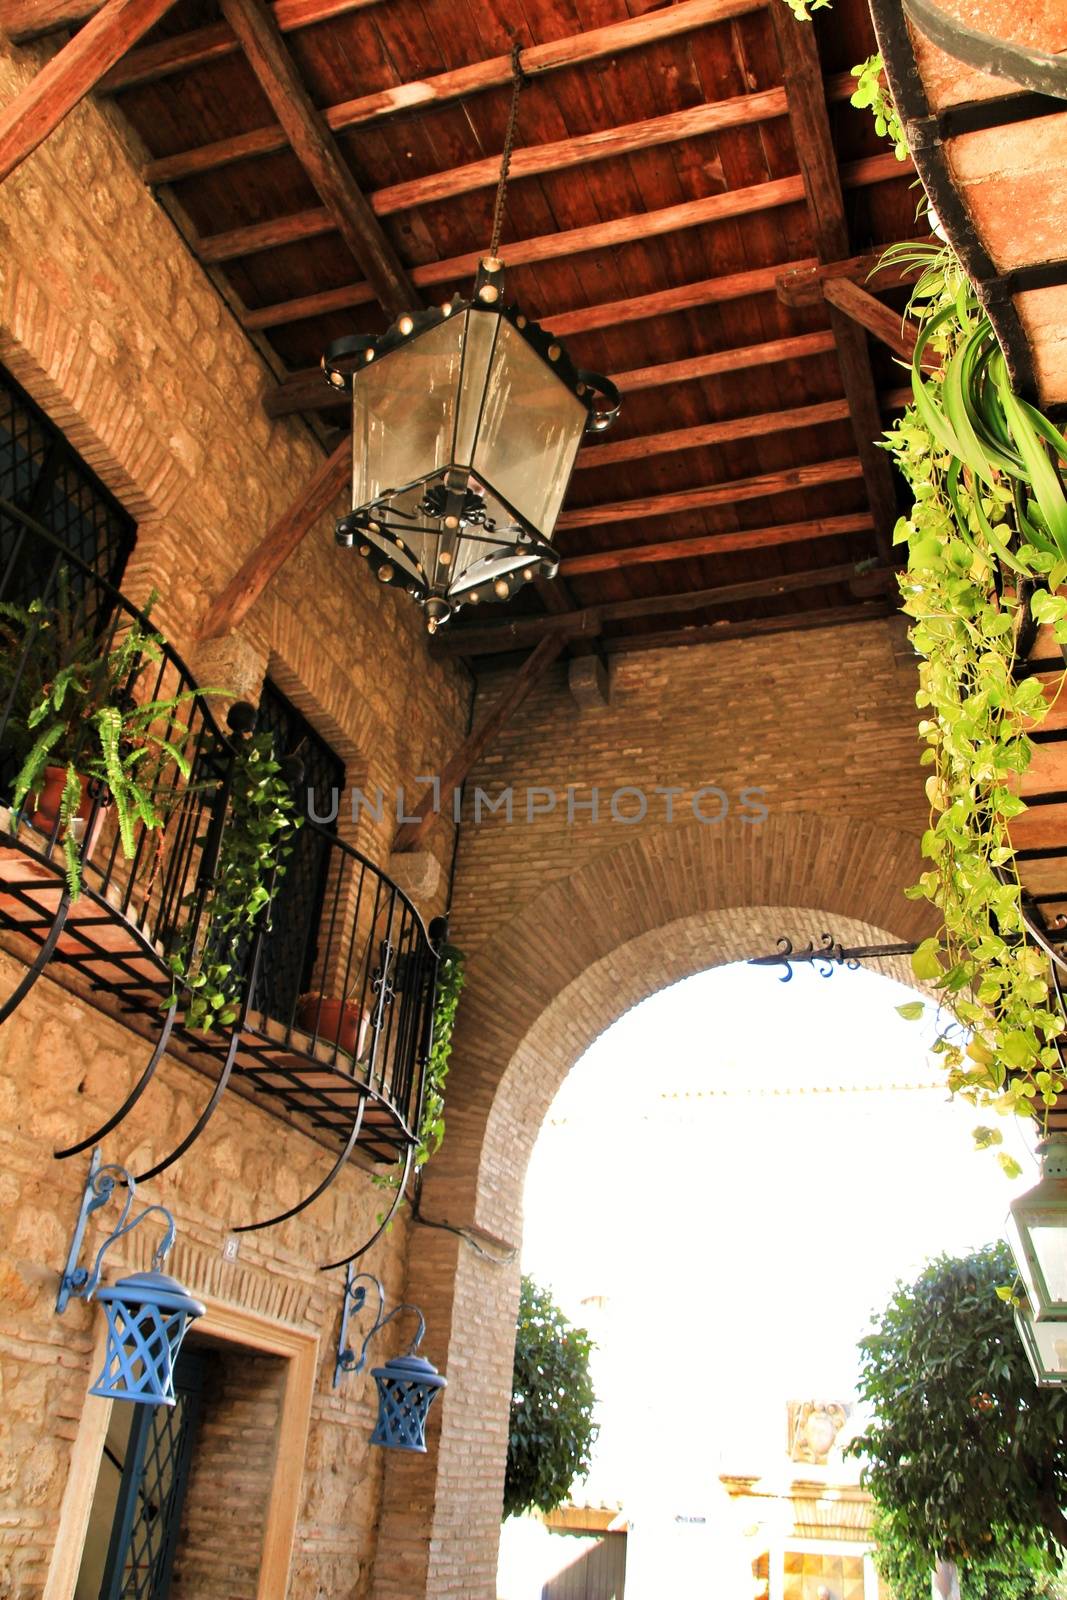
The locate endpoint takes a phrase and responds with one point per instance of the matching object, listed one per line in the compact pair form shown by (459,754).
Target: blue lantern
(407,1384)
(147,1313)
(407,1388)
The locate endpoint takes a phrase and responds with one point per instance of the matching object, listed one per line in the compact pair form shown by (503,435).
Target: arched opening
(726,1186)
(586,949)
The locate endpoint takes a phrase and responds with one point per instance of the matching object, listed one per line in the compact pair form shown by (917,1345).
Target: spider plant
(76,702)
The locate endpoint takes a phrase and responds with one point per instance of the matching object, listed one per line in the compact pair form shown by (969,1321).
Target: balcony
(117,902)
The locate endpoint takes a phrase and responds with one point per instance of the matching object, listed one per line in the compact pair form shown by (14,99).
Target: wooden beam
(666,23)
(40,107)
(757,628)
(154,61)
(411,834)
(248,583)
(899,333)
(309,391)
(715,544)
(499,637)
(314,147)
(804,287)
(29,19)
(310,224)
(757,426)
(810,123)
(786,481)
(690,123)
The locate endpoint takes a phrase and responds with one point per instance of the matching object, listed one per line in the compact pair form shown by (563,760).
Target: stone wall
(112,327)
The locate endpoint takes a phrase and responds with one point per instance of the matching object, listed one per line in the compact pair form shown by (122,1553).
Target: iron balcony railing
(348,1055)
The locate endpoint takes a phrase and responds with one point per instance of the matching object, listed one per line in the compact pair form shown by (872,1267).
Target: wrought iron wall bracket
(354,1299)
(100,1185)
(828,955)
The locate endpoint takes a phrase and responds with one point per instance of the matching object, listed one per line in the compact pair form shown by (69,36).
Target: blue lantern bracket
(82,1282)
(355,1298)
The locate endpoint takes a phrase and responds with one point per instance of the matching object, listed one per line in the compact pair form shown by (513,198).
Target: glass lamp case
(1037,1234)
(1045,1344)
(466,421)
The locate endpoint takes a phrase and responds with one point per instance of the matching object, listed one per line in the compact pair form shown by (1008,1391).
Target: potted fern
(81,734)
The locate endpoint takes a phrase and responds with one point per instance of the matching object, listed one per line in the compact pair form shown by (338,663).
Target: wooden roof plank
(703,434)
(784,481)
(642,225)
(151,62)
(309,391)
(576,49)
(715,544)
(314,146)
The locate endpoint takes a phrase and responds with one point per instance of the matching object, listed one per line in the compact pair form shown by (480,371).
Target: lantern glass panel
(1045,1344)
(1037,1233)
(404,412)
(530,431)
(478,343)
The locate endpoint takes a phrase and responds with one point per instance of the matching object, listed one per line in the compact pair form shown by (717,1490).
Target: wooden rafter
(315,148)
(899,333)
(497,638)
(256,571)
(823,181)
(29,19)
(716,544)
(155,61)
(37,110)
(755,628)
(609,453)
(769,196)
(435,800)
(667,23)
(584,319)
(786,481)
(309,391)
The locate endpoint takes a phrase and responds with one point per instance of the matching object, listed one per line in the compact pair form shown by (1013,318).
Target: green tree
(965,1453)
(551,1429)
(996,1573)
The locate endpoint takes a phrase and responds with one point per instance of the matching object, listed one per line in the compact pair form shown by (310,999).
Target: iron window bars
(367,945)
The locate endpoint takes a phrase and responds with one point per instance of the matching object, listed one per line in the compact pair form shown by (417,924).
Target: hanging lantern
(1045,1344)
(466,420)
(407,1384)
(147,1313)
(147,1316)
(407,1388)
(1037,1234)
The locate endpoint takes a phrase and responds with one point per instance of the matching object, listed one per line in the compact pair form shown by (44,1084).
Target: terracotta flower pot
(49,798)
(343,1023)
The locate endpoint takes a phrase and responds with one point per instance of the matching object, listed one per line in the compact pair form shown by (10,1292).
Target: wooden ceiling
(682,176)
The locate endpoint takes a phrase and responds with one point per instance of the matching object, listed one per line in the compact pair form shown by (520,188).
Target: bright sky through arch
(742,1168)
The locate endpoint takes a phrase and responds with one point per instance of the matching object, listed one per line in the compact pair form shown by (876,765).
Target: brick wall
(228,1496)
(568,923)
(113,328)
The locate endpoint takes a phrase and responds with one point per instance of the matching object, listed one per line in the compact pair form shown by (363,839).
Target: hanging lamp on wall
(466,420)
(148,1314)
(407,1384)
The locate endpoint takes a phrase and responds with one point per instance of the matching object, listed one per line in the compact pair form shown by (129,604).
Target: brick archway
(591,945)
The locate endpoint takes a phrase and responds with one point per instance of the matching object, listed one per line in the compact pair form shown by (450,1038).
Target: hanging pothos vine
(987,543)
(987,540)
(255,848)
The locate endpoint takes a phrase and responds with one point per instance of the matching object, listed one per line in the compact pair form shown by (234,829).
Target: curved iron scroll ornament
(827,956)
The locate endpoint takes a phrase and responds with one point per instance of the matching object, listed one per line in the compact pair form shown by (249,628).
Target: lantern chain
(518,78)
